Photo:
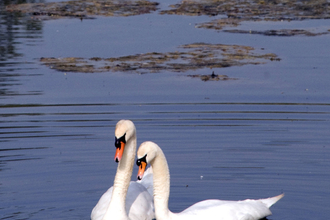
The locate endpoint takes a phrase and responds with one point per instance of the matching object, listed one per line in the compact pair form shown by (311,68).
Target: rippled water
(56,160)
(258,136)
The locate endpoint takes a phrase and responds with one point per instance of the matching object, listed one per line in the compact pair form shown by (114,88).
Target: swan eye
(119,140)
(142,159)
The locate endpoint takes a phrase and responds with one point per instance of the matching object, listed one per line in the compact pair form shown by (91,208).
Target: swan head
(146,154)
(125,130)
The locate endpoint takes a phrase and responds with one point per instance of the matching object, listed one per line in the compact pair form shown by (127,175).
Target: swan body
(126,199)
(212,209)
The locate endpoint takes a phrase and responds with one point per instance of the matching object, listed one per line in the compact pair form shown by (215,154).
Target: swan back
(248,209)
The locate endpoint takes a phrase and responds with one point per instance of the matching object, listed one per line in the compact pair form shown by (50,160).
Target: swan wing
(139,202)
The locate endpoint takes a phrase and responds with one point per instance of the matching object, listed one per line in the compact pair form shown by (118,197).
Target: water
(261,135)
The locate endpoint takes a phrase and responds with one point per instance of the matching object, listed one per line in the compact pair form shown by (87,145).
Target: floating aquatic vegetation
(84,9)
(236,11)
(190,57)
(282,32)
(212,77)
(255,9)
(219,24)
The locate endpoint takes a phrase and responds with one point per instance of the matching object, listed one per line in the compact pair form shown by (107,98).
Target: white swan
(126,199)
(150,152)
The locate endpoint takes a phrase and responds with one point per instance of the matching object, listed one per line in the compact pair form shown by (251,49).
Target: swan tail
(272,200)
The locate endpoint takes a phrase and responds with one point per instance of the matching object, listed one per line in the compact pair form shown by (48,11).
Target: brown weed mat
(236,11)
(191,57)
(255,9)
(282,32)
(85,8)
(212,77)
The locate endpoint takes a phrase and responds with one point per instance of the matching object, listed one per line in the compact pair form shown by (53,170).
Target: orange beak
(142,168)
(119,152)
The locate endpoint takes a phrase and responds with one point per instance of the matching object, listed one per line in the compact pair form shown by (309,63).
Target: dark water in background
(255,137)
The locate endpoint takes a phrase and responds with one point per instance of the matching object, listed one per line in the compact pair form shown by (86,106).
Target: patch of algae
(84,9)
(236,11)
(191,57)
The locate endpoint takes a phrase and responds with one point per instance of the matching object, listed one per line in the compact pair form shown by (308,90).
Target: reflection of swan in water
(249,209)
(139,202)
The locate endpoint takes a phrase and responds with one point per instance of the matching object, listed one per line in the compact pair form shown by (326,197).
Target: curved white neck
(116,209)
(161,176)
